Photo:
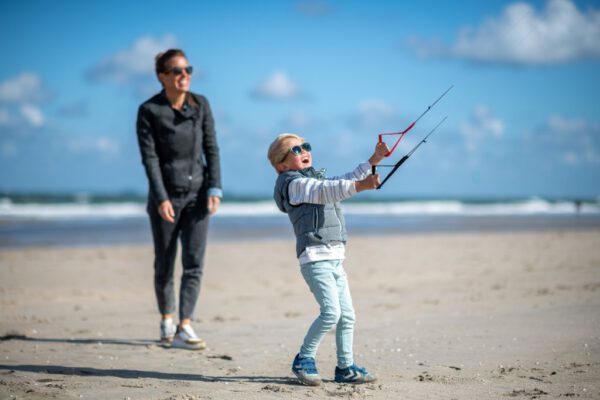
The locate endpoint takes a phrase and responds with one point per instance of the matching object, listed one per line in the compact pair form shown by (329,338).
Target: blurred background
(522,138)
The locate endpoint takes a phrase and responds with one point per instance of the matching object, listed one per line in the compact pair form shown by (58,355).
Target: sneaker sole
(188,346)
(358,382)
(303,380)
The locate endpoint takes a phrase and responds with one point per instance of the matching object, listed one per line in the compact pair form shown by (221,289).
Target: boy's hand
(381,151)
(369,183)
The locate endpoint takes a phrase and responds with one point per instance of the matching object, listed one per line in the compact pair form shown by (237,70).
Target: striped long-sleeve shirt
(328,190)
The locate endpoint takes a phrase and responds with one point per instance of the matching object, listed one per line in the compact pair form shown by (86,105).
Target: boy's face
(294,162)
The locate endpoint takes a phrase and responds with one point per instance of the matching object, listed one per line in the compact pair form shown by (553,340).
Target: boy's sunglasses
(297,150)
(178,71)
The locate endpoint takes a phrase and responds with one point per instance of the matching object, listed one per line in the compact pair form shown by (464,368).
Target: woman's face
(177,80)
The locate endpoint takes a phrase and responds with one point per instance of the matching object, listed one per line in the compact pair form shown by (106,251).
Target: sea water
(82,220)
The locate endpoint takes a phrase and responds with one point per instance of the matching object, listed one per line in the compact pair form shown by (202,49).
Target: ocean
(94,220)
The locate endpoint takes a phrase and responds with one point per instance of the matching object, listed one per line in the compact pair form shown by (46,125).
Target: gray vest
(314,224)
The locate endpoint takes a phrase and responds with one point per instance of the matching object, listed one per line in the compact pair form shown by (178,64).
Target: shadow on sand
(137,374)
(124,342)
(126,373)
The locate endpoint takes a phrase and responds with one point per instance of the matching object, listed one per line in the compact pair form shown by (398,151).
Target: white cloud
(101,144)
(573,141)
(374,114)
(559,33)
(25,87)
(562,125)
(278,86)
(132,63)
(20,95)
(22,116)
(32,115)
(480,126)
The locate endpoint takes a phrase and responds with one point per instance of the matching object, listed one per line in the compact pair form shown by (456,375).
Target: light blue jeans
(328,282)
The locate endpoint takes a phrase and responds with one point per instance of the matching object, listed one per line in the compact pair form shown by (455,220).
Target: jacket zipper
(192,161)
(316,223)
(339,220)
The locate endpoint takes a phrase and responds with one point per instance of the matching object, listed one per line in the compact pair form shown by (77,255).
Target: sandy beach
(447,315)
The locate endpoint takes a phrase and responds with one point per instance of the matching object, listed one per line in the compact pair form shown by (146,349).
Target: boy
(312,204)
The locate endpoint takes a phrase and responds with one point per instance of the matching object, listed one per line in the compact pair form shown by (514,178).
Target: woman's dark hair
(161,59)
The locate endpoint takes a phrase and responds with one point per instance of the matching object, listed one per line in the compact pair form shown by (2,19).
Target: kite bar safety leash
(403,159)
(411,125)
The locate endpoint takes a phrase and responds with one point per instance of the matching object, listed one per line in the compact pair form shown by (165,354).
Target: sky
(523,114)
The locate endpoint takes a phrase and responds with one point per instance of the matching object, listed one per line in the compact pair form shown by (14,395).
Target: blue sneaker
(353,374)
(306,371)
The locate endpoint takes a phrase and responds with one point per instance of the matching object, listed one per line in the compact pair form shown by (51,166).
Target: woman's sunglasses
(297,150)
(178,71)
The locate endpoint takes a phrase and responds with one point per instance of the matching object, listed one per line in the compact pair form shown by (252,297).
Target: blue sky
(523,116)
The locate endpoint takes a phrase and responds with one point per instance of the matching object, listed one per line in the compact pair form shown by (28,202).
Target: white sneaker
(167,330)
(186,338)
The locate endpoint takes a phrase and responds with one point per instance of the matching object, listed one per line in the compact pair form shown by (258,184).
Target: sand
(439,316)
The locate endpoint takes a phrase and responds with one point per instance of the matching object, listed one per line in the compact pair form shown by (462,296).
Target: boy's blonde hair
(278,151)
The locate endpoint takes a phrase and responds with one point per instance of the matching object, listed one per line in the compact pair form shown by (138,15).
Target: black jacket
(179,147)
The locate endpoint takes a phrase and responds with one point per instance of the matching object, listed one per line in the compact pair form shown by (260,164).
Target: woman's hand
(381,151)
(213,204)
(165,209)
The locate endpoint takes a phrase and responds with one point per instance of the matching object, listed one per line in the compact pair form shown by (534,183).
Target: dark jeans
(191,226)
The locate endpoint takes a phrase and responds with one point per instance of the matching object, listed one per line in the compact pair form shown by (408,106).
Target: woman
(176,134)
